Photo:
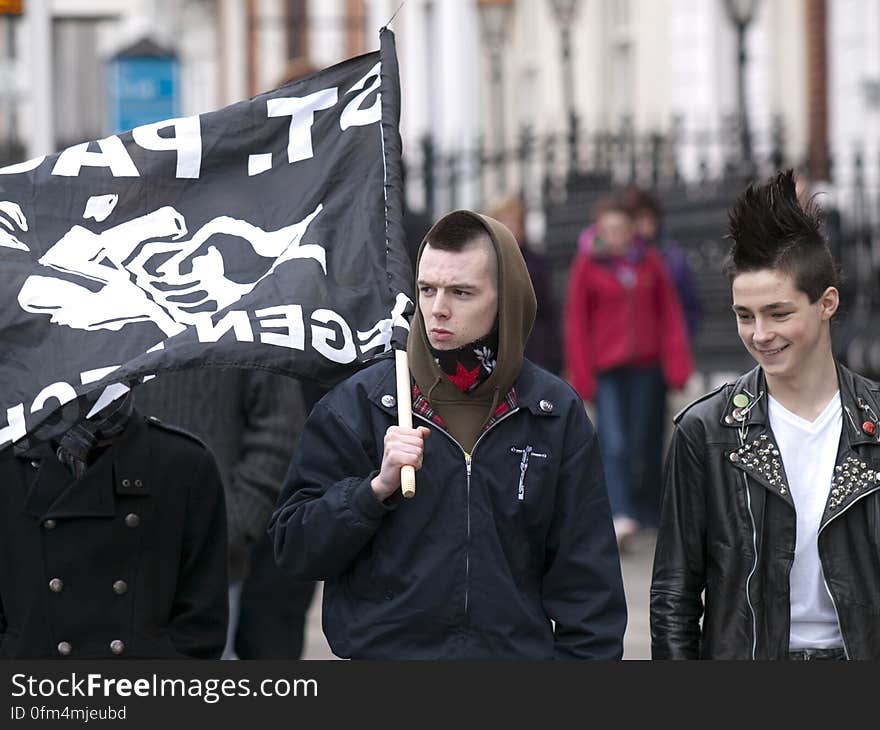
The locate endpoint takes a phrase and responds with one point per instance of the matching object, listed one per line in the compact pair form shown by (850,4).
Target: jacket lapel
(758,453)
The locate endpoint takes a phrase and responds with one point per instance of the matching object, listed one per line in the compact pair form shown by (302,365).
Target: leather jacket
(728,528)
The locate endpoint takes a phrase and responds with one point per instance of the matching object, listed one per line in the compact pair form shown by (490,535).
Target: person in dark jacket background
(648,222)
(507,550)
(112,543)
(768,543)
(251,420)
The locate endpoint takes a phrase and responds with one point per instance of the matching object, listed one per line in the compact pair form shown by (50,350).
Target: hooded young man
(507,550)
(769,542)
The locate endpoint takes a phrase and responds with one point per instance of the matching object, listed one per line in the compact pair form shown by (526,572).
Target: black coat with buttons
(128,561)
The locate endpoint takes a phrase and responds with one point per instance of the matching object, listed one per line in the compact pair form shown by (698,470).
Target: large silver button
(389,401)
(56,585)
(132,520)
(117,647)
(64,648)
(546,406)
(120,587)
(49,524)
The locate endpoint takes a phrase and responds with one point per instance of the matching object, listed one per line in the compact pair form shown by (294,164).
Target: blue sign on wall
(142,90)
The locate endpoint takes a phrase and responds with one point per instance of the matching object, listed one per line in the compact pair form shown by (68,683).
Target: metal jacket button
(389,401)
(117,647)
(120,587)
(132,520)
(56,585)
(546,406)
(64,648)
(49,524)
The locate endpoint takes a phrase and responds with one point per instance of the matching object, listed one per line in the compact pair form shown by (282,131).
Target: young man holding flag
(507,550)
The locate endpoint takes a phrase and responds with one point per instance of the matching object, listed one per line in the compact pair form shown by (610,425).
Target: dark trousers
(273,608)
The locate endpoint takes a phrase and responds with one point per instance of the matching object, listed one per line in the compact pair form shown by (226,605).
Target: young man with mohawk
(769,542)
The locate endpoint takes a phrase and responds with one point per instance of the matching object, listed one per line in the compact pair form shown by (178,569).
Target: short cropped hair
(457,230)
(769,229)
(638,200)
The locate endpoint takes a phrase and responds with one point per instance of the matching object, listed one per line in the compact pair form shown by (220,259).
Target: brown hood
(466,413)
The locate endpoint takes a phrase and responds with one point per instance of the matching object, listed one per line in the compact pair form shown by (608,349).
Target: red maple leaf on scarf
(463,377)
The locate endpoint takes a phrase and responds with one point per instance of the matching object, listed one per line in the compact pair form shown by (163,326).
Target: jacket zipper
(468,461)
(742,440)
(754,567)
(822,568)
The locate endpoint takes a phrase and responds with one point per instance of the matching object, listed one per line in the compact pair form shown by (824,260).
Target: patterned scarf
(469,365)
(77,447)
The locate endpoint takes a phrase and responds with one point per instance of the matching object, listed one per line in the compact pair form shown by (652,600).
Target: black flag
(264,235)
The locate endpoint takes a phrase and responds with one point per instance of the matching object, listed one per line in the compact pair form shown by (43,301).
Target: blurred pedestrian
(625,336)
(768,542)
(648,218)
(543,347)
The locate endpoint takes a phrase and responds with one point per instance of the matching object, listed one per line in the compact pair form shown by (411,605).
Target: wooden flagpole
(404,417)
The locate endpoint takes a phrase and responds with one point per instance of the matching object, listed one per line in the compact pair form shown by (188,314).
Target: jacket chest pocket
(521,481)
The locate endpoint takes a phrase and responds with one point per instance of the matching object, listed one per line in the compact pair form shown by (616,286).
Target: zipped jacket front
(507,552)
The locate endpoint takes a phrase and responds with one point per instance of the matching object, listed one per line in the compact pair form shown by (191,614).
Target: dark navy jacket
(476,565)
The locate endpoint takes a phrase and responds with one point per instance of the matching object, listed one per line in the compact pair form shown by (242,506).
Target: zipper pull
(467,463)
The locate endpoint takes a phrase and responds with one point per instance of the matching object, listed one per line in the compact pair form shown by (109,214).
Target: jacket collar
(529,393)
(859,398)
(56,494)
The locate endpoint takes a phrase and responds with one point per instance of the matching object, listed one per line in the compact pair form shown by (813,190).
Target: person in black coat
(112,544)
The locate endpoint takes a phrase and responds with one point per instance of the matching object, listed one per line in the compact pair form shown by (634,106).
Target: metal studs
(389,401)
(854,476)
(546,406)
(760,457)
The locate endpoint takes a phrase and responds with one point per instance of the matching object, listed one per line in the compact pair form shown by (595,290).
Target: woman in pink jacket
(625,337)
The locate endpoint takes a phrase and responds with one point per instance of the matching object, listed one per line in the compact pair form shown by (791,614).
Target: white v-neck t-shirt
(809,450)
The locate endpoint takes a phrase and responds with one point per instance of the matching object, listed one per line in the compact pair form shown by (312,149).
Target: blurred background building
(556,100)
